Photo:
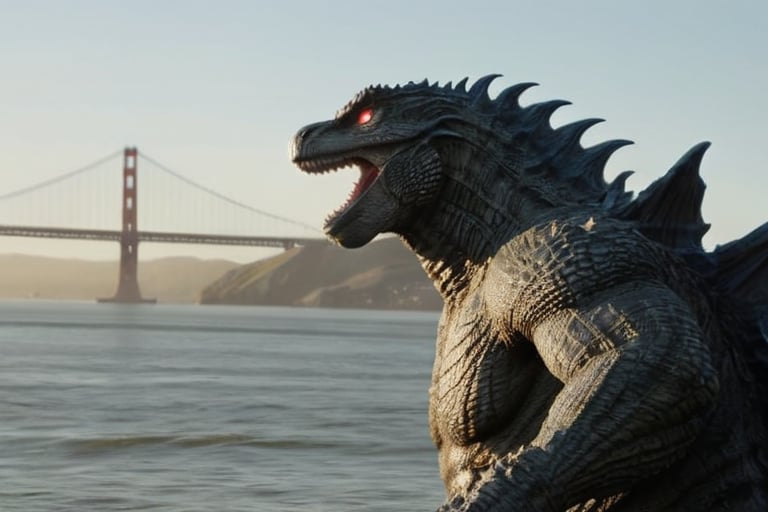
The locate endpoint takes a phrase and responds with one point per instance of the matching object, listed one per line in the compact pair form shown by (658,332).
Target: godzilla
(591,354)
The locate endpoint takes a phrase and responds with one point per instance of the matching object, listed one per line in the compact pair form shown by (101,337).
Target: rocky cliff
(381,275)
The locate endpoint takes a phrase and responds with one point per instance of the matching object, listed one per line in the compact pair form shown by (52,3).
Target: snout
(299,141)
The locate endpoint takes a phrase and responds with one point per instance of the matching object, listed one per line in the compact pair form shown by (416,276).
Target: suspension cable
(61,177)
(223,197)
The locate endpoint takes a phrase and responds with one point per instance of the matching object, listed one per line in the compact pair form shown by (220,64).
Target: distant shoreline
(173,280)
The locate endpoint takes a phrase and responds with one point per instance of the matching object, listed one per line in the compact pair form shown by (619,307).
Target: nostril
(305,131)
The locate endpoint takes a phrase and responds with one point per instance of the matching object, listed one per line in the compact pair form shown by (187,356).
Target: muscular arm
(637,382)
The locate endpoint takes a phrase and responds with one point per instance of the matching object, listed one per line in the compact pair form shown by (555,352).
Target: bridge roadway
(153,236)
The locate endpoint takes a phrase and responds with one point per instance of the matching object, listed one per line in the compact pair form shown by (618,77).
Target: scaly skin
(584,360)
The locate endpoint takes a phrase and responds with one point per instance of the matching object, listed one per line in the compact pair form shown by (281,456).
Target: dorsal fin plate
(669,210)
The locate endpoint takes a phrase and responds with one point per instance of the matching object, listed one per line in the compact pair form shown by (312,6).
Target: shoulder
(558,263)
(586,240)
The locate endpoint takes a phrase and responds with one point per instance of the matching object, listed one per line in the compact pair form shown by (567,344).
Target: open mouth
(368,175)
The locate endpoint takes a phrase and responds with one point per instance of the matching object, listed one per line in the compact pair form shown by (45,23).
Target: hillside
(381,275)
(177,280)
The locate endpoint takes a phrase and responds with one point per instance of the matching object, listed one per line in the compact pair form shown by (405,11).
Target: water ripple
(101,445)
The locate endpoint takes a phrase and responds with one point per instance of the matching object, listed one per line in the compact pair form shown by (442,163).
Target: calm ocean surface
(202,408)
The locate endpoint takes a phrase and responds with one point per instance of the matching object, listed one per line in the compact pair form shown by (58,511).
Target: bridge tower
(128,283)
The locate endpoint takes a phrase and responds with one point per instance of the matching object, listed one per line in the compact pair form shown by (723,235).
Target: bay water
(107,407)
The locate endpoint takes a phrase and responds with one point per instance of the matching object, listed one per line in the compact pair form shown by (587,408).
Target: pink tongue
(368,176)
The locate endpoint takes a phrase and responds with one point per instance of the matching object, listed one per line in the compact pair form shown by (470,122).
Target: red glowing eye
(365,116)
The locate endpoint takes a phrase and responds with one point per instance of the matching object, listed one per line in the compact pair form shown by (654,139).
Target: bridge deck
(154,236)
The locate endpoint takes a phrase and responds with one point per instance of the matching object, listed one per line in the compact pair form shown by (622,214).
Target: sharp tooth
(326,165)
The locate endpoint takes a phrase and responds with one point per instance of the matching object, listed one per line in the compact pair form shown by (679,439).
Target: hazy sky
(215,89)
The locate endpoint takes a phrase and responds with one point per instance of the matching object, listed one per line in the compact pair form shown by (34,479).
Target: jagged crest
(556,154)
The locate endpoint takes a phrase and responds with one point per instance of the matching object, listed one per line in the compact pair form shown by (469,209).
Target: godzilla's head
(406,139)
(389,134)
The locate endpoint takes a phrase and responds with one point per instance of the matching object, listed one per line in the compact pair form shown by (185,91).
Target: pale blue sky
(215,89)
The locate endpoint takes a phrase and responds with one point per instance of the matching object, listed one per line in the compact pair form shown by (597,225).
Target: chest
(481,375)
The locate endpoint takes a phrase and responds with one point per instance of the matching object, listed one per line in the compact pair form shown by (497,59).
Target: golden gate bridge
(22,215)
